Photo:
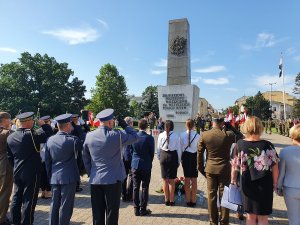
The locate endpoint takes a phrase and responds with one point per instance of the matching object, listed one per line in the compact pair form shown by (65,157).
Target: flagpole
(283,93)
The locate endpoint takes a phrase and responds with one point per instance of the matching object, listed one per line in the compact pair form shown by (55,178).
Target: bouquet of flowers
(179,185)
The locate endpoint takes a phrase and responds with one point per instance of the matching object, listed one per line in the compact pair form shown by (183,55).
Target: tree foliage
(150,101)
(296,109)
(258,106)
(135,109)
(40,82)
(110,92)
(235,110)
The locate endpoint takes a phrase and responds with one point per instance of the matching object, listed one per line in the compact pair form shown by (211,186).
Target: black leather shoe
(172,203)
(137,212)
(145,212)
(167,203)
(192,204)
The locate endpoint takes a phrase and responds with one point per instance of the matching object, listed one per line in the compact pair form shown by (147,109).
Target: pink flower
(258,163)
(235,162)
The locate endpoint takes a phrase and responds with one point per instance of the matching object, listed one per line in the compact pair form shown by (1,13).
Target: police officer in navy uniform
(23,153)
(61,152)
(102,157)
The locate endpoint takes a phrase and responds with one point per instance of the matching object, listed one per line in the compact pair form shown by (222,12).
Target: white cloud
(210,69)
(264,80)
(217,81)
(291,51)
(158,72)
(74,36)
(103,23)
(161,63)
(10,50)
(297,58)
(263,40)
(231,89)
(196,79)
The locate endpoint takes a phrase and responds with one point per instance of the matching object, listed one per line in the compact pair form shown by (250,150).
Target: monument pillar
(178,101)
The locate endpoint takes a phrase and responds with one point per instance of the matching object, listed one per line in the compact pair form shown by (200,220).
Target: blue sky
(235,45)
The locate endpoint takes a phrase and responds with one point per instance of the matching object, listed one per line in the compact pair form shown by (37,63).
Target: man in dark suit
(127,185)
(141,165)
(61,151)
(23,148)
(217,143)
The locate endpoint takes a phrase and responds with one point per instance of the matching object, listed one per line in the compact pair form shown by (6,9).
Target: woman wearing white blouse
(169,155)
(188,144)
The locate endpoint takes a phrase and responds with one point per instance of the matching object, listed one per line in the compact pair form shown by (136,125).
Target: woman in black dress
(188,141)
(257,162)
(169,155)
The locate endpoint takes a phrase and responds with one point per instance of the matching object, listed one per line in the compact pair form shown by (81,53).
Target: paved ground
(162,214)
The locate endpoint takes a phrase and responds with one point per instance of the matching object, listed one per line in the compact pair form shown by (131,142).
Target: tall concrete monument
(178,101)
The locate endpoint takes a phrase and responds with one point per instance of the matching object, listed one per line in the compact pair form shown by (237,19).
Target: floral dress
(254,160)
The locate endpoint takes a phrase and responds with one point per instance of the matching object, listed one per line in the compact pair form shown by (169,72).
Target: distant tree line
(39,82)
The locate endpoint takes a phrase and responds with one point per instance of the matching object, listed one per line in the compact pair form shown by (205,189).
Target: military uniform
(6,171)
(287,127)
(217,144)
(61,152)
(266,126)
(269,126)
(23,153)
(198,123)
(102,158)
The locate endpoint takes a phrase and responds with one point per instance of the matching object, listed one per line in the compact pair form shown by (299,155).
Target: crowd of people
(119,163)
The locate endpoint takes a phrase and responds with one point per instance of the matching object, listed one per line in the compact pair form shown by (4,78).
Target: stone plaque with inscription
(178,102)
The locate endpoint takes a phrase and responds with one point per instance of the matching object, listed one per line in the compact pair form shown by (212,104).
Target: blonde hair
(253,126)
(295,132)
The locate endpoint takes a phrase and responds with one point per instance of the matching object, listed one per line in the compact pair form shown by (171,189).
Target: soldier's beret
(4,115)
(64,118)
(45,118)
(218,119)
(105,115)
(25,116)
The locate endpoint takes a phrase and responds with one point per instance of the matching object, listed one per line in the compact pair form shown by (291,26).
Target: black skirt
(168,164)
(189,164)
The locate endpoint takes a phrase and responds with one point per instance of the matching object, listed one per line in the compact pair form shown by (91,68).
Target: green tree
(235,110)
(110,92)
(150,101)
(258,106)
(135,109)
(40,82)
(296,109)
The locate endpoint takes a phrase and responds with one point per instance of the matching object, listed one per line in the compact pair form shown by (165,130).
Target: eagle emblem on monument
(178,46)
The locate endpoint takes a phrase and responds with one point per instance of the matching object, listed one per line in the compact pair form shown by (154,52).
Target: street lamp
(271,84)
